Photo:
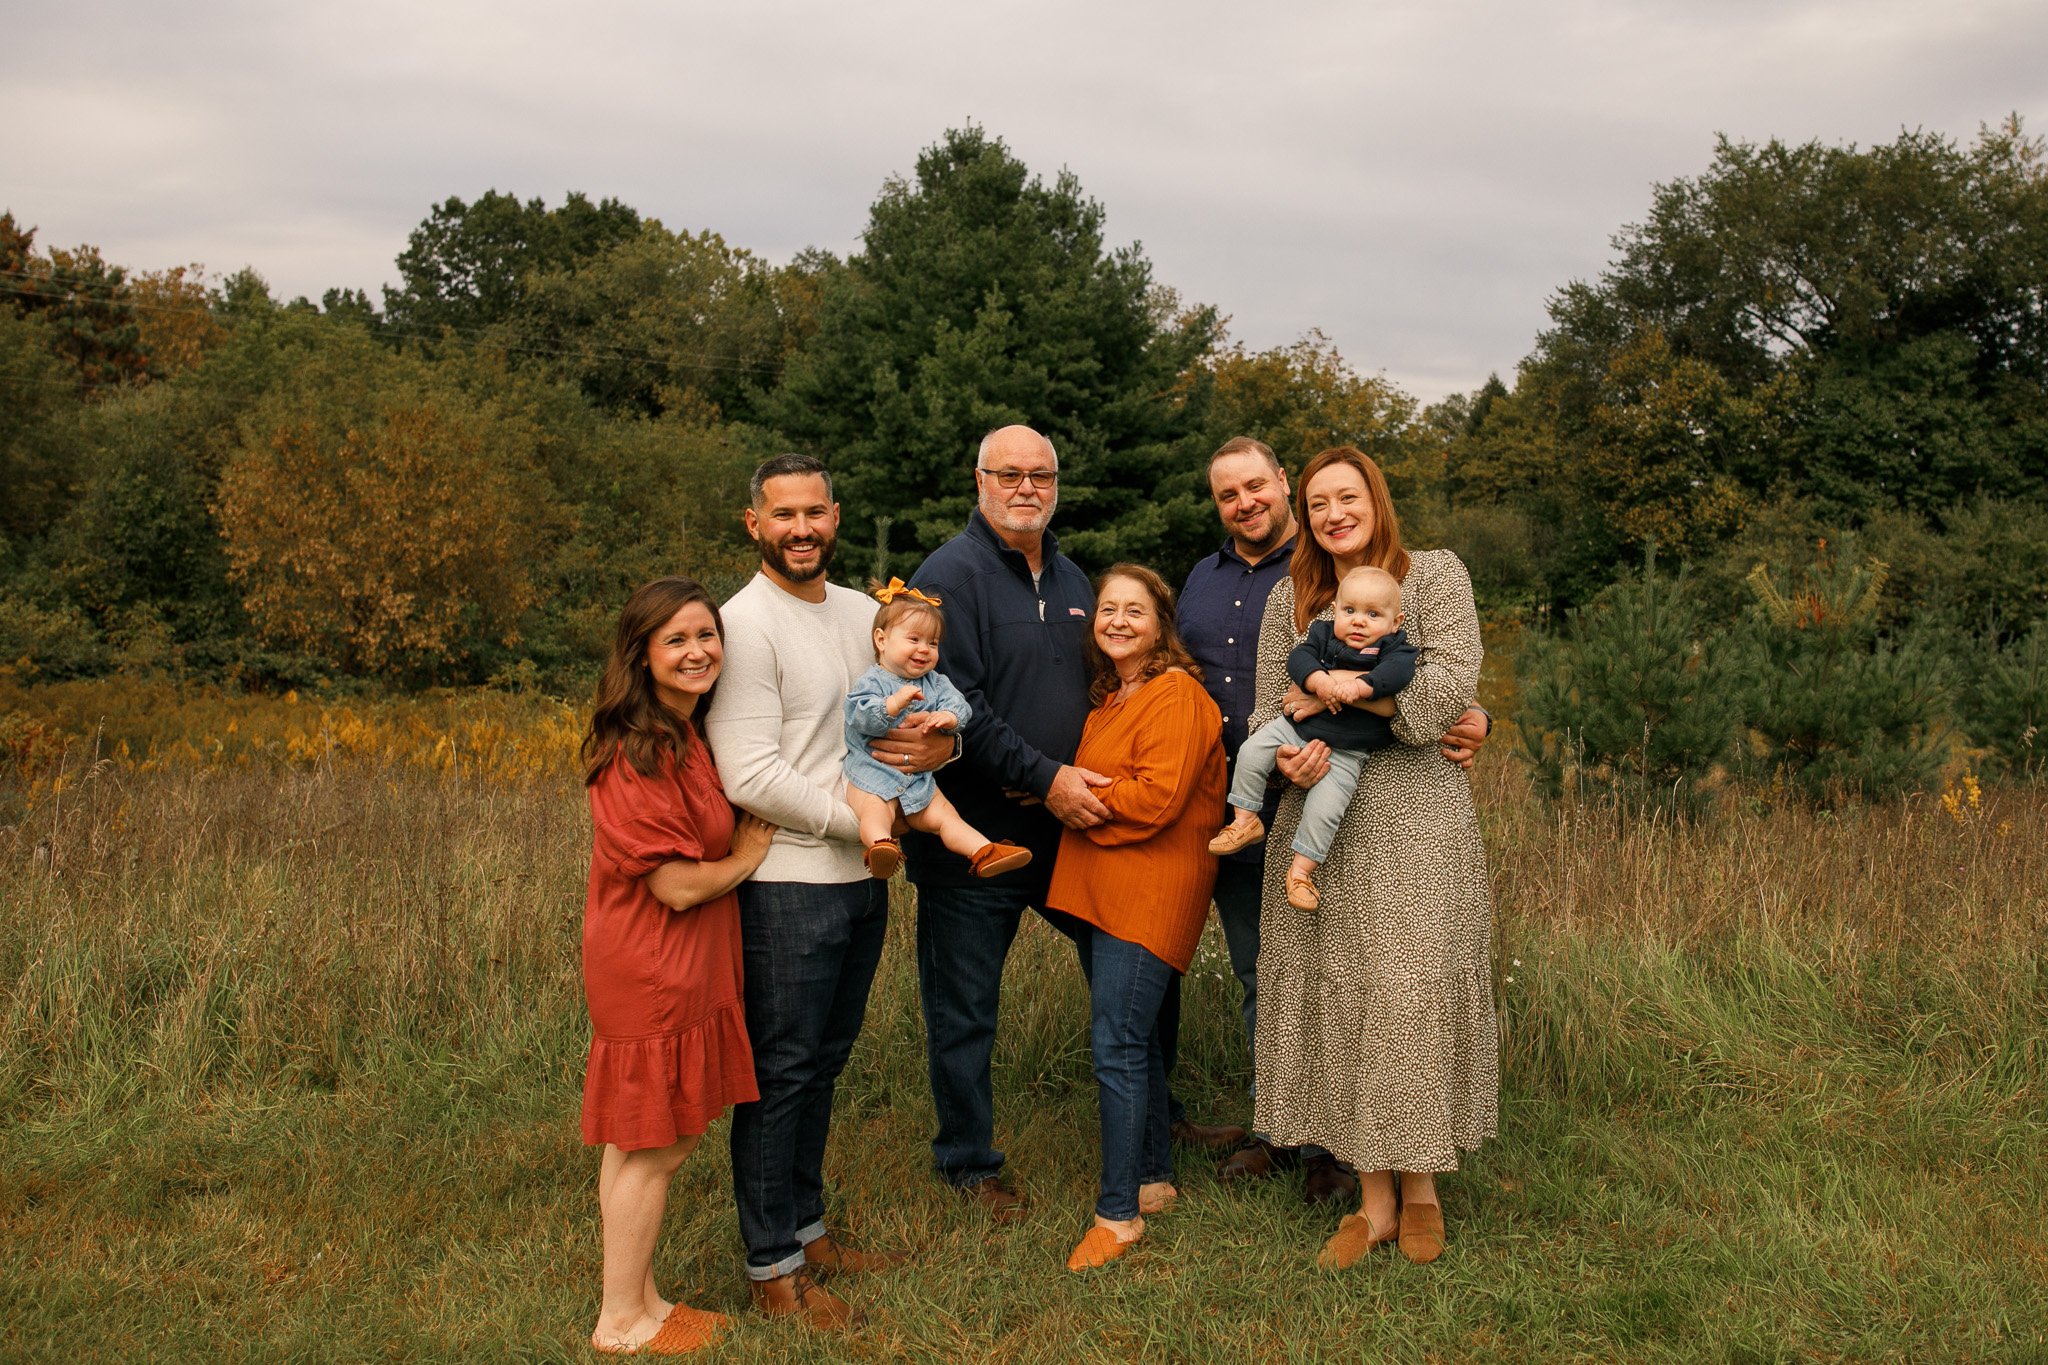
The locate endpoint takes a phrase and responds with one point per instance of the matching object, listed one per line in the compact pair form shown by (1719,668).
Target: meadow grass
(292,1053)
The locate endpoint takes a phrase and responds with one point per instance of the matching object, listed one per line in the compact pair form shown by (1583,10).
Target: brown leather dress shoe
(1256,1160)
(1214,1137)
(1422,1232)
(1328,1182)
(829,1256)
(799,1295)
(1001,1203)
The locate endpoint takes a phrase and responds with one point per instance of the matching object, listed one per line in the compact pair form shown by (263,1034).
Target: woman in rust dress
(661,947)
(1133,892)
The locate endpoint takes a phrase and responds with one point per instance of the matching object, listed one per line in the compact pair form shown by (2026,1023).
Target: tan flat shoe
(1236,835)
(1354,1237)
(1302,893)
(1422,1232)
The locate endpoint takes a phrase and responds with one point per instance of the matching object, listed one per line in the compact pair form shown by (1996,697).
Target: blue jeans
(1128,989)
(963,938)
(810,955)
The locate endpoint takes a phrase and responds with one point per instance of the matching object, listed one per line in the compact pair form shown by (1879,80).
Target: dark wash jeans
(963,938)
(1239,886)
(810,954)
(1128,993)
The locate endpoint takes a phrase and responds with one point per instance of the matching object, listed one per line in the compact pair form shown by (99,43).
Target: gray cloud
(1414,179)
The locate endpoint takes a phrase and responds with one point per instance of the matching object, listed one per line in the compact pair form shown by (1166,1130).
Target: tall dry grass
(311,1026)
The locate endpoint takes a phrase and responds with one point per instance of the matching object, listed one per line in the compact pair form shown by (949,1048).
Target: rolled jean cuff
(807,1235)
(787,1265)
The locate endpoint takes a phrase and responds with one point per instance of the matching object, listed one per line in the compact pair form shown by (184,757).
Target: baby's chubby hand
(902,697)
(928,721)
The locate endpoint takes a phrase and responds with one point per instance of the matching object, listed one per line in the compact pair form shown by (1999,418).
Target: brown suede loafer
(799,1295)
(1422,1232)
(993,860)
(1236,835)
(883,857)
(1354,1237)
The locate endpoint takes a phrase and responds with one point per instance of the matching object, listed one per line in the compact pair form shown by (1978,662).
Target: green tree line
(461,480)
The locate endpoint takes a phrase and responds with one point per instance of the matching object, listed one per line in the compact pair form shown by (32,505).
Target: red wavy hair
(1314,568)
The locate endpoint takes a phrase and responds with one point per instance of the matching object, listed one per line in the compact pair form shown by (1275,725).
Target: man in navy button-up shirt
(1219,614)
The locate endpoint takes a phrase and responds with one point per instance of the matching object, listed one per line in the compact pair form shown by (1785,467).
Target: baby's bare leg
(942,819)
(877,815)
(1303,866)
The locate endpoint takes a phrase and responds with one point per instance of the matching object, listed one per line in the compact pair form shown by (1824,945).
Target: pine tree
(1833,707)
(1635,697)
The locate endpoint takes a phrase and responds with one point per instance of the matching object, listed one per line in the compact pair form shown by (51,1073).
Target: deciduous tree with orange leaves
(393,545)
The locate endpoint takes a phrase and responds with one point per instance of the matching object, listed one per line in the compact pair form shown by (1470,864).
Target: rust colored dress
(1145,877)
(668,1047)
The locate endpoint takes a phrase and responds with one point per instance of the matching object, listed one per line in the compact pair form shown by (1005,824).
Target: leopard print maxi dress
(1376,1033)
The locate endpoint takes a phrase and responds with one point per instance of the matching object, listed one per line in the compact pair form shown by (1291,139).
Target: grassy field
(293,1041)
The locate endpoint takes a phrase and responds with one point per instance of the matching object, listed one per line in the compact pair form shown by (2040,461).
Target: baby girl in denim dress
(902,691)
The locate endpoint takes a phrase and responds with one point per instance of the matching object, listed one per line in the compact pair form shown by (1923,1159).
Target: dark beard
(771,555)
(1281,530)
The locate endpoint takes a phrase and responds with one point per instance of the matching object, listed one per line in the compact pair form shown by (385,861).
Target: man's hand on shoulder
(1072,798)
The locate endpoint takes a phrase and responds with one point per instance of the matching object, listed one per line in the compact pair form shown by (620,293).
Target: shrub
(1506,551)
(48,642)
(1634,697)
(1833,708)
(2005,704)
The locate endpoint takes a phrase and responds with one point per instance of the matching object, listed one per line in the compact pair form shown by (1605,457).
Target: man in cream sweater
(811,918)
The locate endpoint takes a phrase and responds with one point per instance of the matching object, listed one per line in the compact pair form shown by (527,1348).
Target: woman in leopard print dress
(1377,1037)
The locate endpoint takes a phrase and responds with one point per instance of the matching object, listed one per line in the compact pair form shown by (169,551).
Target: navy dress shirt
(1220,611)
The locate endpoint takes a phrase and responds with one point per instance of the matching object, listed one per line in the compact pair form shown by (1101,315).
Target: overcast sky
(1414,179)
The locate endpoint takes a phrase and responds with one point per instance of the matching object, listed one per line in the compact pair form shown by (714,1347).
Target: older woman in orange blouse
(1133,892)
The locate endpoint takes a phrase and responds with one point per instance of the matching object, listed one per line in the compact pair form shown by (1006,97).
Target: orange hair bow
(898,588)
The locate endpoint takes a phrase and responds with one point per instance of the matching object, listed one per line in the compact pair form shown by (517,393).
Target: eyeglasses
(1010,478)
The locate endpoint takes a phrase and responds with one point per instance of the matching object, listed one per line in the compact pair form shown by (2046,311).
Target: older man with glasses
(1017,612)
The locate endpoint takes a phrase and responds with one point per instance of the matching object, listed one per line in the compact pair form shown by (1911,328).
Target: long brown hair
(627,717)
(1168,653)
(1314,568)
